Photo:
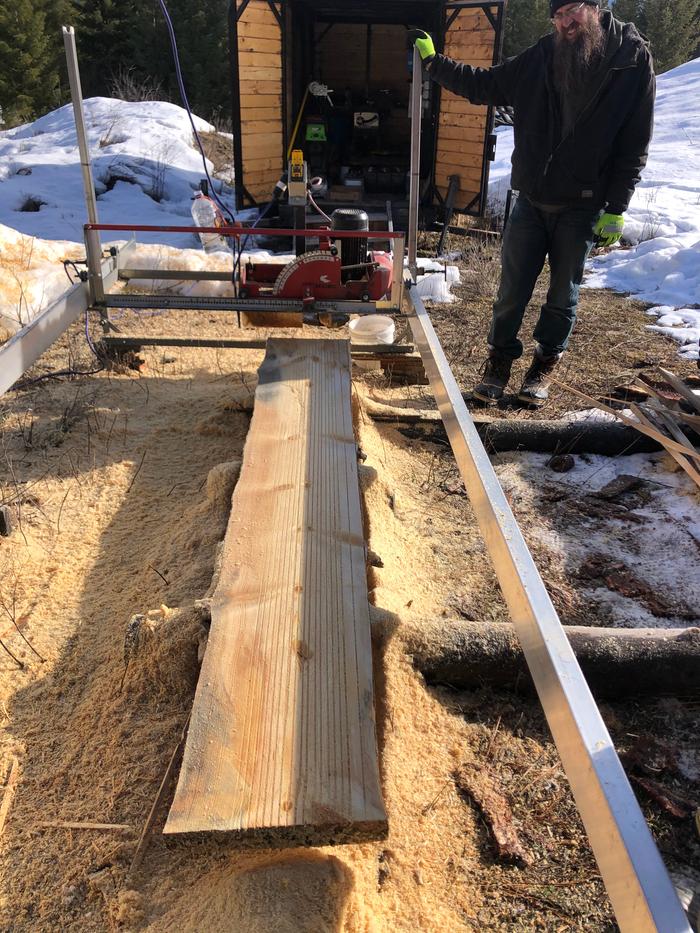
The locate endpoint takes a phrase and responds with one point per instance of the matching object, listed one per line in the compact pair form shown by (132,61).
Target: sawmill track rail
(632,869)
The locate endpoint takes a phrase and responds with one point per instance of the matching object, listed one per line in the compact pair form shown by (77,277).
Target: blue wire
(183,95)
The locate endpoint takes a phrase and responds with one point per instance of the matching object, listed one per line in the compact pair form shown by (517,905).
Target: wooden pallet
(282,741)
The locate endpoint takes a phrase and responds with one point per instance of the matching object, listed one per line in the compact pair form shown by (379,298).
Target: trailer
(357,139)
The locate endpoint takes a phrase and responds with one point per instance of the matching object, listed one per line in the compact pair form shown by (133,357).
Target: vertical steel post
(397,273)
(92,238)
(414,193)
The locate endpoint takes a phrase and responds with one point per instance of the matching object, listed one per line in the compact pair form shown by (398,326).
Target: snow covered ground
(662,224)
(144,166)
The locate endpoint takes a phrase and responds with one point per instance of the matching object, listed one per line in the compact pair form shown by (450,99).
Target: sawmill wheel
(292,279)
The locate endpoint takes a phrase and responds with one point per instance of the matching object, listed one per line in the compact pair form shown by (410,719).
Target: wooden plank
(470,21)
(267,115)
(450,103)
(254,156)
(281,744)
(248,60)
(9,792)
(469,51)
(263,74)
(468,119)
(681,388)
(253,30)
(271,102)
(263,143)
(682,461)
(260,87)
(261,193)
(262,179)
(258,11)
(447,164)
(472,152)
(252,45)
(464,196)
(261,127)
(467,177)
(98,827)
(470,140)
(260,186)
(265,164)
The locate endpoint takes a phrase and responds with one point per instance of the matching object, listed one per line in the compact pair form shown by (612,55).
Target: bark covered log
(615,662)
(609,438)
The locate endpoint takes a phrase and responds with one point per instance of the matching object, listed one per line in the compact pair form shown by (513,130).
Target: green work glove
(424,44)
(608,229)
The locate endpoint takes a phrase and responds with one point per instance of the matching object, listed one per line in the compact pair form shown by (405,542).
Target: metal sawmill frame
(102,299)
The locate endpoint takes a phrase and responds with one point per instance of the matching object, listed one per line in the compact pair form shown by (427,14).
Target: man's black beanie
(555,4)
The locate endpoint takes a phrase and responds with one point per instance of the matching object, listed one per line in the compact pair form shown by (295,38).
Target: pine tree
(26,81)
(526,21)
(672,27)
(59,13)
(629,11)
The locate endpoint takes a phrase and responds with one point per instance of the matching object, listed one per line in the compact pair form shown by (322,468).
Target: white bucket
(372,328)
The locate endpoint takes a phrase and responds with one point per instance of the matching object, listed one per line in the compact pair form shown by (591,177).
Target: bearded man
(583,100)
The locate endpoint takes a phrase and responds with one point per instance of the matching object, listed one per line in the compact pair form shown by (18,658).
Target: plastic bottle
(205,214)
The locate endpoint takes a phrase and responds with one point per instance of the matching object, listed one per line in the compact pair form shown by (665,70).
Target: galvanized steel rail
(633,872)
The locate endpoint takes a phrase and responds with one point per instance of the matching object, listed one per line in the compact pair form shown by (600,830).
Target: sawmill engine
(352,252)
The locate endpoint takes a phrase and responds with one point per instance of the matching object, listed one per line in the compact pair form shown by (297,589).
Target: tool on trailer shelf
(317,90)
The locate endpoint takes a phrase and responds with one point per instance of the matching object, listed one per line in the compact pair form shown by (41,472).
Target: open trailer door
(464,141)
(256,36)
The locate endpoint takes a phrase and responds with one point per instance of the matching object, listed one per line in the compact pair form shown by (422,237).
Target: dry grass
(219,150)
(609,347)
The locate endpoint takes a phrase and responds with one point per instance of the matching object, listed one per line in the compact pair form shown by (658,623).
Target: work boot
(494,379)
(535,387)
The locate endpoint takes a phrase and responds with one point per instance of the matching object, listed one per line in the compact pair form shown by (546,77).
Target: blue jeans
(530,236)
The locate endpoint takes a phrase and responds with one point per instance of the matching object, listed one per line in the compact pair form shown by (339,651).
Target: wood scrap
(666,442)
(379,411)
(9,792)
(685,391)
(145,836)
(692,421)
(68,824)
(672,803)
(681,460)
(477,783)
(659,402)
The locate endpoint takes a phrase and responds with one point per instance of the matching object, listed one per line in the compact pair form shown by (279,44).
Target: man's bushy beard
(573,60)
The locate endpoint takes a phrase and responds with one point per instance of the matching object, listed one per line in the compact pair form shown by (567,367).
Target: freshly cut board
(282,738)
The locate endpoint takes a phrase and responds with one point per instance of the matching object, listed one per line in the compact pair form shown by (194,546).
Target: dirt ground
(116,487)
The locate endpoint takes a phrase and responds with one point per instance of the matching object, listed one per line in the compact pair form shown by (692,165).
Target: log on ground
(615,662)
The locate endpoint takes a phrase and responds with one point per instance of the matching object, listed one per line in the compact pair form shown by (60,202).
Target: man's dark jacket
(599,162)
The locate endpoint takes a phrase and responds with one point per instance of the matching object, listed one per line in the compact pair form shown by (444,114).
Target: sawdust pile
(121,485)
